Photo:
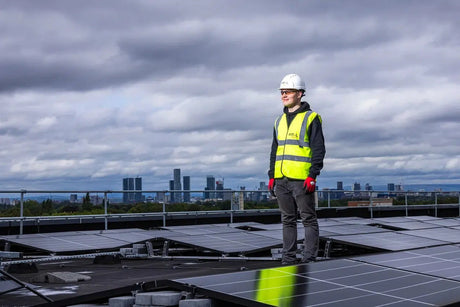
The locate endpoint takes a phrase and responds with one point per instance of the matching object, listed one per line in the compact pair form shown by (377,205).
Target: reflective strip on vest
(293,158)
(293,155)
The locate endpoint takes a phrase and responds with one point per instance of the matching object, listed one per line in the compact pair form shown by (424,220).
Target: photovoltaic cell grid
(352,229)
(409,225)
(390,241)
(441,261)
(442,234)
(330,283)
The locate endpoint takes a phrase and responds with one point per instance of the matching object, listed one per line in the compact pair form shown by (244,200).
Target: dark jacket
(315,137)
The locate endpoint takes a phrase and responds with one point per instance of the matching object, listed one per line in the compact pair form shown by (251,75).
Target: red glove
(271,186)
(309,185)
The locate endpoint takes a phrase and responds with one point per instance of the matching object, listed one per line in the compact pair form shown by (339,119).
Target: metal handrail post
(435,204)
(105,212)
(164,214)
(21,213)
(328,199)
(370,203)
(405,201)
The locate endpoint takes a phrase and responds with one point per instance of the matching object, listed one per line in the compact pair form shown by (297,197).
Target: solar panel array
(79,241)
(391,234)
(398,233)
(341,282)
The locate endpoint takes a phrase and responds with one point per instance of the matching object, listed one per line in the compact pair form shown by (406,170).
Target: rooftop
(368,261)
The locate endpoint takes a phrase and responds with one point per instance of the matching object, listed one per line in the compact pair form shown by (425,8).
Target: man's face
(290,97)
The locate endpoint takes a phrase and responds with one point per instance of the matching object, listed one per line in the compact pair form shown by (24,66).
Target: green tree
(87,205)
(47,207)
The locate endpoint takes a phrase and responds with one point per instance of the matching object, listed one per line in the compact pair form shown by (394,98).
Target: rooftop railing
(324,199)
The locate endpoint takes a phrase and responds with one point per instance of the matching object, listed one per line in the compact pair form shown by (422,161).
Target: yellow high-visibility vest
(293,156)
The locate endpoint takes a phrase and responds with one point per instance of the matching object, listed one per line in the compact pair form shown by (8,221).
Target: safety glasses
(287,91)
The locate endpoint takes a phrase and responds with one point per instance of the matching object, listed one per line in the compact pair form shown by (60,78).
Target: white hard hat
(292,81)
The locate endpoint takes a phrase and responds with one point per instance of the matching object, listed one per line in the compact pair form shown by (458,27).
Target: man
(296,159)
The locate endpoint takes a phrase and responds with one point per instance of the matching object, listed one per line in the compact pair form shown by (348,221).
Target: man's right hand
(271,186)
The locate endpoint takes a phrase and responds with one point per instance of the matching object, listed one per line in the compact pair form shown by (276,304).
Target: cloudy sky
(94,91)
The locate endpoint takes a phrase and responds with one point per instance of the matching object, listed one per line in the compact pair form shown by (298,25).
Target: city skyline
(88,98)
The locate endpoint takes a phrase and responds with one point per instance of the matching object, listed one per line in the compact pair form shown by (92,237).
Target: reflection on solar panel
(441,261)
(232,242)
(442,234)
(391,241)
(330,283)
(82,240)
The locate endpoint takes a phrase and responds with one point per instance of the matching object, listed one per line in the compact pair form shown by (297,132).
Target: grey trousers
(292,198)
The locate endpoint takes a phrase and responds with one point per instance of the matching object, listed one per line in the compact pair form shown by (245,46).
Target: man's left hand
(309,185)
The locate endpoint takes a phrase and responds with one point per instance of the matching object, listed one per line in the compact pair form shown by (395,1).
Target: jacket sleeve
(271,170)
(316,139)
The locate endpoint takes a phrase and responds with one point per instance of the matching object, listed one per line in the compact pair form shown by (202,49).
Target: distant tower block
(241,202)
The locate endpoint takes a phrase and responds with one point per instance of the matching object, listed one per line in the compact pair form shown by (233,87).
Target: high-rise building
(177,185)
(210,186)
(340,185)
(220,187)
(171,187)
(132,184)
(356,186)
(391,187)
(186,180)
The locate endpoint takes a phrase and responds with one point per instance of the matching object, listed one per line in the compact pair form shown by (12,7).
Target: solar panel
(330,283)
(391,241)
(445,222)
(393,219)
(202,229)
(76,242)
(276,226)
(441,234)
(233,242)
(278,233)
(328,222)
(408,225)
(441,261)
(60,242)
(352,229)
(354,221)
(422,217)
